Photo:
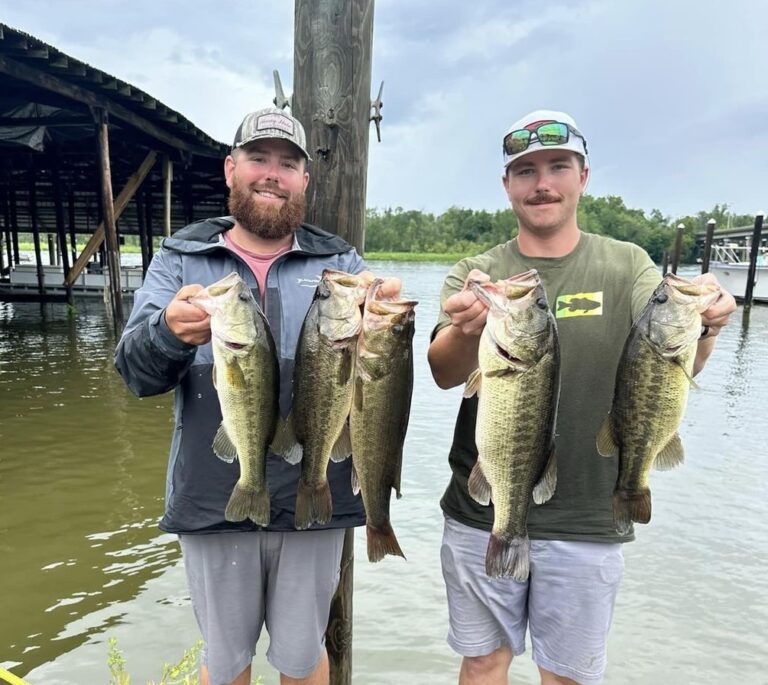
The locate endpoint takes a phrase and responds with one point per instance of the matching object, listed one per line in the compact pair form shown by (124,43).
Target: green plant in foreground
(183,673)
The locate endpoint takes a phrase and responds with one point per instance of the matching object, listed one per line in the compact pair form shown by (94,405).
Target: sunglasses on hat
(550,133)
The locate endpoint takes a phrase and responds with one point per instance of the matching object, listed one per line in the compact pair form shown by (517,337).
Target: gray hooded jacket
(152,360)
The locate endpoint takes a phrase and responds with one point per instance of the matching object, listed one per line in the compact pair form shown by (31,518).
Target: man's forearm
(452,357)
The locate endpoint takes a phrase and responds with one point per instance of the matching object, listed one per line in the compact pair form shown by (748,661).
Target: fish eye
(397,329)
(661,298)
(243,297)
(541,303)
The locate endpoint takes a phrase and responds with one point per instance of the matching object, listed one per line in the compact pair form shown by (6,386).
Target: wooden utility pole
(333,41)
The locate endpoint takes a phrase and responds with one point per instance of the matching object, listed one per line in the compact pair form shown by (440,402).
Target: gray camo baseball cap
(271,122)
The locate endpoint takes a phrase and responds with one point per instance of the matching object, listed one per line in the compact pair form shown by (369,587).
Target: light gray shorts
(240,581)
(566,604)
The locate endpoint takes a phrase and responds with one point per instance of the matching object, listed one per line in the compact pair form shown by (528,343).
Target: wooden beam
(120,204)
(110,227)
(42,79)
(167,180)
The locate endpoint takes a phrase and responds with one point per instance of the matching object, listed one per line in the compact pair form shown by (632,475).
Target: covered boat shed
(84,153)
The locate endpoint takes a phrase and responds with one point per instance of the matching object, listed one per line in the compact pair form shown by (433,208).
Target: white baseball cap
(572,138)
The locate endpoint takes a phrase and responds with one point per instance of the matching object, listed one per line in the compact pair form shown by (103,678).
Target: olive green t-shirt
(595,293)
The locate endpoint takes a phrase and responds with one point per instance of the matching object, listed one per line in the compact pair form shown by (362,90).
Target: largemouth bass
(246,378)
(651,391)
(322,390)
(380,410)
(517,383)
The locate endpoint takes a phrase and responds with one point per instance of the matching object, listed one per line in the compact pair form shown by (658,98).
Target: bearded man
(242,576)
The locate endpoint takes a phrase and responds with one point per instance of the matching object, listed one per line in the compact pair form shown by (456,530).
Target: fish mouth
(235,346)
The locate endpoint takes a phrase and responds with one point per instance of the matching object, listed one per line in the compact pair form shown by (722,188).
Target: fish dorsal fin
(343,447)
(671,456)
(606,444)
(285,443)
(474,382)
(355,481)
(223,447)
(478,485)
(545,488)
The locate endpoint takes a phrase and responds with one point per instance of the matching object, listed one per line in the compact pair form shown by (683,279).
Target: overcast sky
(672,95)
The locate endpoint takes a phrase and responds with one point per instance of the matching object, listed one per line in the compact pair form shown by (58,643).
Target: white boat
(90,283)
(729,261)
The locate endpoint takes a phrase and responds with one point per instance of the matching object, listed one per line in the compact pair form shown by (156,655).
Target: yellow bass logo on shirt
(579,304)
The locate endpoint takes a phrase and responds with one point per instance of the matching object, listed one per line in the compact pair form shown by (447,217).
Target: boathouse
(85,160)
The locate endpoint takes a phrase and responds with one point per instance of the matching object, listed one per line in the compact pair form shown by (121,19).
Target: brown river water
(82,472)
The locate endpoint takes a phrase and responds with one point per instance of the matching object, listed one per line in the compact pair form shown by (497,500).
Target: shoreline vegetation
(415,236)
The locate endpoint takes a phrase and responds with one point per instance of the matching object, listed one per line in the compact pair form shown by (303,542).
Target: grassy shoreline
(447,257)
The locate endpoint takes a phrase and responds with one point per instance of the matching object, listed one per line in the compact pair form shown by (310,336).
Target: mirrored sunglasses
(552,133)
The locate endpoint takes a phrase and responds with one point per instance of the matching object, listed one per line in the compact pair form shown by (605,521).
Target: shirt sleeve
(647,277)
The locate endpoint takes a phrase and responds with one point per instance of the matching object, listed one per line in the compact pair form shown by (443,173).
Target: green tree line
(468,231)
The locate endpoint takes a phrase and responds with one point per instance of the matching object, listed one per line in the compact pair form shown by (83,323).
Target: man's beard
(267,221)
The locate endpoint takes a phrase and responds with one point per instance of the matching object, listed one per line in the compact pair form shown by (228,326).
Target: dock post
(110,227)
(753,252)
(708,245)
(678,247)
(33,218)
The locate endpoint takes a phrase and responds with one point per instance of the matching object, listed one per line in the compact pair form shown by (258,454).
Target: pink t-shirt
(259,263)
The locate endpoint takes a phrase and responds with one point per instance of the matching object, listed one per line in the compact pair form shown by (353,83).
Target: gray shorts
(566,604)
(241,581)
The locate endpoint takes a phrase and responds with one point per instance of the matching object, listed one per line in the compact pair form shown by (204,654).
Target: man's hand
(188,323)
(717,315)
(466,311)
(390,288)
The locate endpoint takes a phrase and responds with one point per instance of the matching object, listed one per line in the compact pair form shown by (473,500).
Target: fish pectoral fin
(284,443)
(693,383)
(671,456)
(355,482)
(234,376)
(478,485)
(545,488)
(606,443)
(223,447)
(474,382)
(343,447)
(213,377)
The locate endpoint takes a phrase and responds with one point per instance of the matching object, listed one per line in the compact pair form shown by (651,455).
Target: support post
(332,98)
(167,180)
(753,252)
(141,220)
(110,228)
(708,245)
(148,220)
(60,229)
(72,226)
(9,228)
(36,234)
(14,220)
(678,247)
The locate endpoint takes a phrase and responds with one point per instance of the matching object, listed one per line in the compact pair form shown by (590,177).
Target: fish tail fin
(248,503)
(631,506)
(382,541)
(508,557)
(313,504)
